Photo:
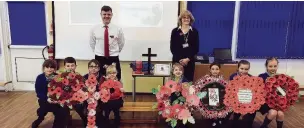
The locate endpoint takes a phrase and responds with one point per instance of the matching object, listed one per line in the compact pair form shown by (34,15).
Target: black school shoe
(36,123)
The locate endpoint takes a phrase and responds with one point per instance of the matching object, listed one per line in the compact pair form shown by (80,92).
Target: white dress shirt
(116,39)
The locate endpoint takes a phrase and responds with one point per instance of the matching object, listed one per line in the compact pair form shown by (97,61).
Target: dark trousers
(188,69)
(81,110)
(248,119)
(59,112)
(108,61)
(246,122)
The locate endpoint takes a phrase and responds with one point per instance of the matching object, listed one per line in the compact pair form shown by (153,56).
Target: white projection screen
(145,25)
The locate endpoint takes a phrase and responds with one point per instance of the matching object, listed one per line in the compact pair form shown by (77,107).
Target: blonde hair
(184,14)
(111,69)
(177,65)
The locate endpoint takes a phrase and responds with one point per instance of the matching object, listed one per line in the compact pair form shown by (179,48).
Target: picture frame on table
(162,69)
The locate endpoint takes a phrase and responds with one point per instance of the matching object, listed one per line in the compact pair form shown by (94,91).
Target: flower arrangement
(212,90)
(282,92)
(175,101)
(245,94)
(63,87)
(110,89)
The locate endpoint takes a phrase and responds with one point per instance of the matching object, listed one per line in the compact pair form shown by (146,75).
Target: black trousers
(108,61)
(81,110)
(246,122)
(188,69)
(59,112)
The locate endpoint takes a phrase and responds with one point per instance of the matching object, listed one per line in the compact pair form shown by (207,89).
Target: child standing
(115,102)
(45,104)
(243,69)
(271,70)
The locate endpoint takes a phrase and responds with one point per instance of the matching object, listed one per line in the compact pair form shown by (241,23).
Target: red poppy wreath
(245,94)
(282,92)
(110,89)
(63,87)
(211,94)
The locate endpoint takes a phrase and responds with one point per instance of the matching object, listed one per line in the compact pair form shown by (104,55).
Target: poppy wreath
(62,89)
(245,94)
(174,102)
(212,111)
(282,92)
(110,89)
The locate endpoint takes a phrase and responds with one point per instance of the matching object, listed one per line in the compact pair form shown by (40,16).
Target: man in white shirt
(107,41)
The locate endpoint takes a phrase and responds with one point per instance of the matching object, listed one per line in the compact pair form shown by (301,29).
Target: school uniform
(107,41)
(264,108)
(114,104)
(60,113)
(185,46)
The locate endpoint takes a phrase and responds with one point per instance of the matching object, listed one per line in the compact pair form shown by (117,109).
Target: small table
(140,75)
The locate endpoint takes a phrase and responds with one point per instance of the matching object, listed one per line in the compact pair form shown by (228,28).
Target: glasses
(93,66)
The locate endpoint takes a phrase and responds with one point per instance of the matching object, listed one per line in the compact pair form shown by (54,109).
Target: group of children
(271,65)
(243,68)
(62,114)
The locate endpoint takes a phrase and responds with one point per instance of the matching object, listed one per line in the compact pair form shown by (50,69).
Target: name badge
(186,45)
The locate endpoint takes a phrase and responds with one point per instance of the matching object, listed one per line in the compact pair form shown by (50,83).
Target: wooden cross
(149,55)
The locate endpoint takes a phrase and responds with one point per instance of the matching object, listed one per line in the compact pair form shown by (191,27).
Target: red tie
(106,42)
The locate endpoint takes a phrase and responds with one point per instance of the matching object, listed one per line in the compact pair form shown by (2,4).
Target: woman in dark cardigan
(184,44)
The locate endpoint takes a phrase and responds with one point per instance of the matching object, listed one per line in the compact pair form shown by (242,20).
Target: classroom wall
(26,64)
(2,71)
(143,84)
(291,67)
(1,68)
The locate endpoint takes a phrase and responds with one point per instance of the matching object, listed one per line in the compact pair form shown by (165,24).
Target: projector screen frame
(54,25)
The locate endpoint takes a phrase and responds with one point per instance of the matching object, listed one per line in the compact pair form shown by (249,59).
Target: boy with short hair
(45,104)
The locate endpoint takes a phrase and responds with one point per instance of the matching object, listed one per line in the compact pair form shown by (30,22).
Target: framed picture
(162,69)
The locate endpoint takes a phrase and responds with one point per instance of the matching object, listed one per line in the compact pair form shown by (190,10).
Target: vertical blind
(214,21)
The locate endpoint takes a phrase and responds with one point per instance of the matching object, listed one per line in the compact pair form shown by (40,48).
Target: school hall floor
(18,110)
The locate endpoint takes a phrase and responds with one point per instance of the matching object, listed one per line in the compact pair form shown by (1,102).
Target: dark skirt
(264,109)
(113,104)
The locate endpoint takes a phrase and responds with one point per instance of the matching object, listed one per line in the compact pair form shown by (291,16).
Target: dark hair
(106,8)
(245,62)
(215,63)
(269,59)
(69,60)
(93,61)
(49,64)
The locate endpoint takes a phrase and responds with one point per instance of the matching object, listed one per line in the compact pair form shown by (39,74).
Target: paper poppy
(63,88)
(244,94)
(282,92)
(172,98)
(160,106)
